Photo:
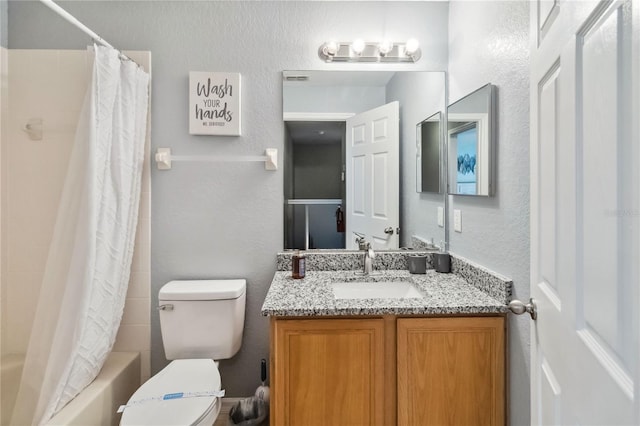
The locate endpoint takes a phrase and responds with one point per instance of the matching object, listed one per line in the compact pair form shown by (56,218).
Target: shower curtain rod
(73,20)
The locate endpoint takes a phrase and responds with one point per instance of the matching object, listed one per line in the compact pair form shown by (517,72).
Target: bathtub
(97,403)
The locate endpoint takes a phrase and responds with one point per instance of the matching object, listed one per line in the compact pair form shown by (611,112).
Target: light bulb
(330,48)
(411,47)
(357,46)
(385,47)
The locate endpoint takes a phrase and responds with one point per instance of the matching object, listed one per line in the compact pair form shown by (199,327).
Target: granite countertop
(313,295)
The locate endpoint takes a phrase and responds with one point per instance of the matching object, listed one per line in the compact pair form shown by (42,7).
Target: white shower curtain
(85,281)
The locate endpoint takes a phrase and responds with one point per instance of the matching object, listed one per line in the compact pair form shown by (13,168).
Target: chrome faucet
(368,260)
(369,255)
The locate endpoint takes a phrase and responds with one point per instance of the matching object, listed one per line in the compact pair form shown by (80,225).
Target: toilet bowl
(183,393)
(200,321)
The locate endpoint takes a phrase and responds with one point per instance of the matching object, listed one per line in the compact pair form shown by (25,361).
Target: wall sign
(214,103)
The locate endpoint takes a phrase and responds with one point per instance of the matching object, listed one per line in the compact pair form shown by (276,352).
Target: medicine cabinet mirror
(471,138)
(429,154)
(350,158)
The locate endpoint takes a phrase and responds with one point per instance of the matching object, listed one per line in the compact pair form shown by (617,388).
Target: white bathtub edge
(98,402)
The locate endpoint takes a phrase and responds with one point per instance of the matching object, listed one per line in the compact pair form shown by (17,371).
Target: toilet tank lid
(203,289)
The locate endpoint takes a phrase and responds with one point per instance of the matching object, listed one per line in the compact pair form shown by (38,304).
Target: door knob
(388,230)
(519,308)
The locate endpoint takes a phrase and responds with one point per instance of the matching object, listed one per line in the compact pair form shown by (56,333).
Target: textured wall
(226,220)
(488,43)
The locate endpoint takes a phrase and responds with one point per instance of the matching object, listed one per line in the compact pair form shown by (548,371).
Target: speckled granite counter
(443,294)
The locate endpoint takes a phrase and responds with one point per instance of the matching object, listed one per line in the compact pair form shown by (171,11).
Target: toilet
(201,322)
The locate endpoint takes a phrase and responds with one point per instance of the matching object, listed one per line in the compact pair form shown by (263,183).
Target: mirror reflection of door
(373,177)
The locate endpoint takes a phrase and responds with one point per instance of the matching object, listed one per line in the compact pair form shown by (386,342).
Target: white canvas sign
(214,103)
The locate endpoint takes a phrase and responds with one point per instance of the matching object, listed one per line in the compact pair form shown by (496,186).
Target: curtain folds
(87,272)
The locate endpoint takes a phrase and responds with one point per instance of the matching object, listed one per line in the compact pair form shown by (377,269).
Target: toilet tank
(202,318)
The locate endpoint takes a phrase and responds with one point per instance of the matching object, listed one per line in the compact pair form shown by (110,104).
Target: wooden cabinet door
(327,372)
(451,371)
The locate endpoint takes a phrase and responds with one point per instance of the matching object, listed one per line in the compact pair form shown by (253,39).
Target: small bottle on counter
(298,265)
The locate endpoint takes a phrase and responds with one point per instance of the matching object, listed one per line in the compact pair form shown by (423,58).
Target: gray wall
(226,220)
(353,99)
(489,43)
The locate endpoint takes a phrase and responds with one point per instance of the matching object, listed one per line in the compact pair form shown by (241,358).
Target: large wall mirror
(350,154)
(471,138)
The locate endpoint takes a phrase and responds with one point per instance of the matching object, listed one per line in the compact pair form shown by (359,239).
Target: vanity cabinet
(388,370)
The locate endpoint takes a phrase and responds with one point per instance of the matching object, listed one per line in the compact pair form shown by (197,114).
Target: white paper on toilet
(169,396)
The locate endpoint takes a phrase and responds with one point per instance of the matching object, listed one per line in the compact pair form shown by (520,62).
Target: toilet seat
(187,376)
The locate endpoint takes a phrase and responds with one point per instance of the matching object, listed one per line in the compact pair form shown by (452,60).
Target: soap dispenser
(298,265)
(442,260)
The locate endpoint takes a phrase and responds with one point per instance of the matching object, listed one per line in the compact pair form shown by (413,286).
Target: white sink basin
(375,290)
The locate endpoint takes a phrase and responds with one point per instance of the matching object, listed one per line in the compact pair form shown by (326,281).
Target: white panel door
(373,177)
(585,191)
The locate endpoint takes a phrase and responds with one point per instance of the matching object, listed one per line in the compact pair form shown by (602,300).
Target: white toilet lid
(187,376)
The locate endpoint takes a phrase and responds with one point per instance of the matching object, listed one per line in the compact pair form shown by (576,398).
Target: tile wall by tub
(34,173)
(40,82)
(4,76)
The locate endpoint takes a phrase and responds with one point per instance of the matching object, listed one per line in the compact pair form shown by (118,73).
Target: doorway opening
(314,185)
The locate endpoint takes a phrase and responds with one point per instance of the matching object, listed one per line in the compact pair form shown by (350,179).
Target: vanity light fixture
(361,51)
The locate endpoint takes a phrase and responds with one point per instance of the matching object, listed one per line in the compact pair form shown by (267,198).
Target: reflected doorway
(314,184)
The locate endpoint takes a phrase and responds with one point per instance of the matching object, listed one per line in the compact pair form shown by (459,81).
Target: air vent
(296,77)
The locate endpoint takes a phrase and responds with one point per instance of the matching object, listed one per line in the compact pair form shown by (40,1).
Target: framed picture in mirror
(471,143)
